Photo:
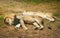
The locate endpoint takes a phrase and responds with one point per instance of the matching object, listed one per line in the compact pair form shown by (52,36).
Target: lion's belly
(28,19)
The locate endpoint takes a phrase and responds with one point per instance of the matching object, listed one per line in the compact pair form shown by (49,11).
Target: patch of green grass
(34,1)
(57,14)
(58,26)
(1,17)
(1,22)
(57,7)
(37,1)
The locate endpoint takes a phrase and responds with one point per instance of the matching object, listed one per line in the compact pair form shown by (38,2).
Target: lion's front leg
(23,25)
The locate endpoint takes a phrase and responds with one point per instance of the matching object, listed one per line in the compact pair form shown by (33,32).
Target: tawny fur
(28,19)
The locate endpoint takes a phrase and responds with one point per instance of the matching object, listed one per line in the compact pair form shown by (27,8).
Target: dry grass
(14,6)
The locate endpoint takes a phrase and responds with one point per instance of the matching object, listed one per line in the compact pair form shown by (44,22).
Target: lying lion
(35,18)
(20,20)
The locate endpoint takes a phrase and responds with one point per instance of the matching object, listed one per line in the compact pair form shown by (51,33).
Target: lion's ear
(14,16)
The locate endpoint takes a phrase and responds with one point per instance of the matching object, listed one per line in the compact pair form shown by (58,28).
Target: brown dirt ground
(10,32)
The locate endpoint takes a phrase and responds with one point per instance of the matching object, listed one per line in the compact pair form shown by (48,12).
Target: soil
(47,32)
